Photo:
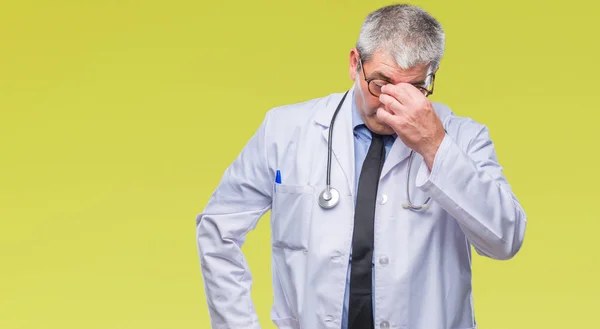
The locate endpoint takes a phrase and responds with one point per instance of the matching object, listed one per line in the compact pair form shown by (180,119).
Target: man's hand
(411,115)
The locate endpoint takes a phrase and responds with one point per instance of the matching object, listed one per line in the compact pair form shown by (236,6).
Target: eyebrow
(418,83)
(380,75)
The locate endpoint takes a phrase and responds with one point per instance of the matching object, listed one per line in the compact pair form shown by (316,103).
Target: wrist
(430,152)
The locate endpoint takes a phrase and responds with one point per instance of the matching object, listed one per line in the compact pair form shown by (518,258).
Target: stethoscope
(330,196)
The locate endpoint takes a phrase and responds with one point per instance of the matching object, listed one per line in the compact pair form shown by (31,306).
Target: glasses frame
(425,91)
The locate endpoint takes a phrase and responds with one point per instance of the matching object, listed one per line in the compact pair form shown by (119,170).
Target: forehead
(383,66)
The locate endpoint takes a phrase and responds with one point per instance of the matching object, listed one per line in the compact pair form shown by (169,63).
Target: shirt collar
(356,118)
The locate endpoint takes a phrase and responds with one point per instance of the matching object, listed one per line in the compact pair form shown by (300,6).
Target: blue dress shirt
(362,141)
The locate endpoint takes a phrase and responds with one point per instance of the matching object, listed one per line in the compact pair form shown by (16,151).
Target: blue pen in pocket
(277,179)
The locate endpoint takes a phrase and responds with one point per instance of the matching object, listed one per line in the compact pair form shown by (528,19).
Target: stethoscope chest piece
(329,198)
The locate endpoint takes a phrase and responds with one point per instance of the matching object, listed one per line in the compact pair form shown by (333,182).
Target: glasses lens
(375,86)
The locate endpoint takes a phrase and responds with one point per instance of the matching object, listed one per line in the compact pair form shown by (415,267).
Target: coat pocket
(287,323)
(291,211)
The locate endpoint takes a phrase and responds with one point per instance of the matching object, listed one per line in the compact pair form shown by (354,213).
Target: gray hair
(406,32)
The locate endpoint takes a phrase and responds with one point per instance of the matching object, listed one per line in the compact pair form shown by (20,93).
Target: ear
(353,67)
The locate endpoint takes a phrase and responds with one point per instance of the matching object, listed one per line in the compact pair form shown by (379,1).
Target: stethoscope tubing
(329,199)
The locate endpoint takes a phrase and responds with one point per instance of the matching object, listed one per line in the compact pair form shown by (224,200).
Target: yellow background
(118,117)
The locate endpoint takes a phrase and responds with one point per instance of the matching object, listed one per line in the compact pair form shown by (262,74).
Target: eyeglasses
(374,85)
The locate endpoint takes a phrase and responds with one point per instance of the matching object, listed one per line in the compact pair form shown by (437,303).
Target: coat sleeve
(468,183)
(234,208)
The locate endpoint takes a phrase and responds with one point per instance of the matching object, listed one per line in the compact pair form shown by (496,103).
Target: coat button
(384,325)
(383,199)
(383,260)
(336,257)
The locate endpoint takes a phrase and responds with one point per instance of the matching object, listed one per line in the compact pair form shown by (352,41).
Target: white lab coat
(422,258)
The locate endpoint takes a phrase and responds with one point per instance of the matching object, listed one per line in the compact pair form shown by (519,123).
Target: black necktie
(360,308)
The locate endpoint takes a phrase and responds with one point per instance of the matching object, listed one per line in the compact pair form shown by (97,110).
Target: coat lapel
(343,137)
(398,153)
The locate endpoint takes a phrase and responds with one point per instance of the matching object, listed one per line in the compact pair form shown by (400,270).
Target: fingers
(404,99)
(399,98)
(392,104)
(403,92)
(385,116)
